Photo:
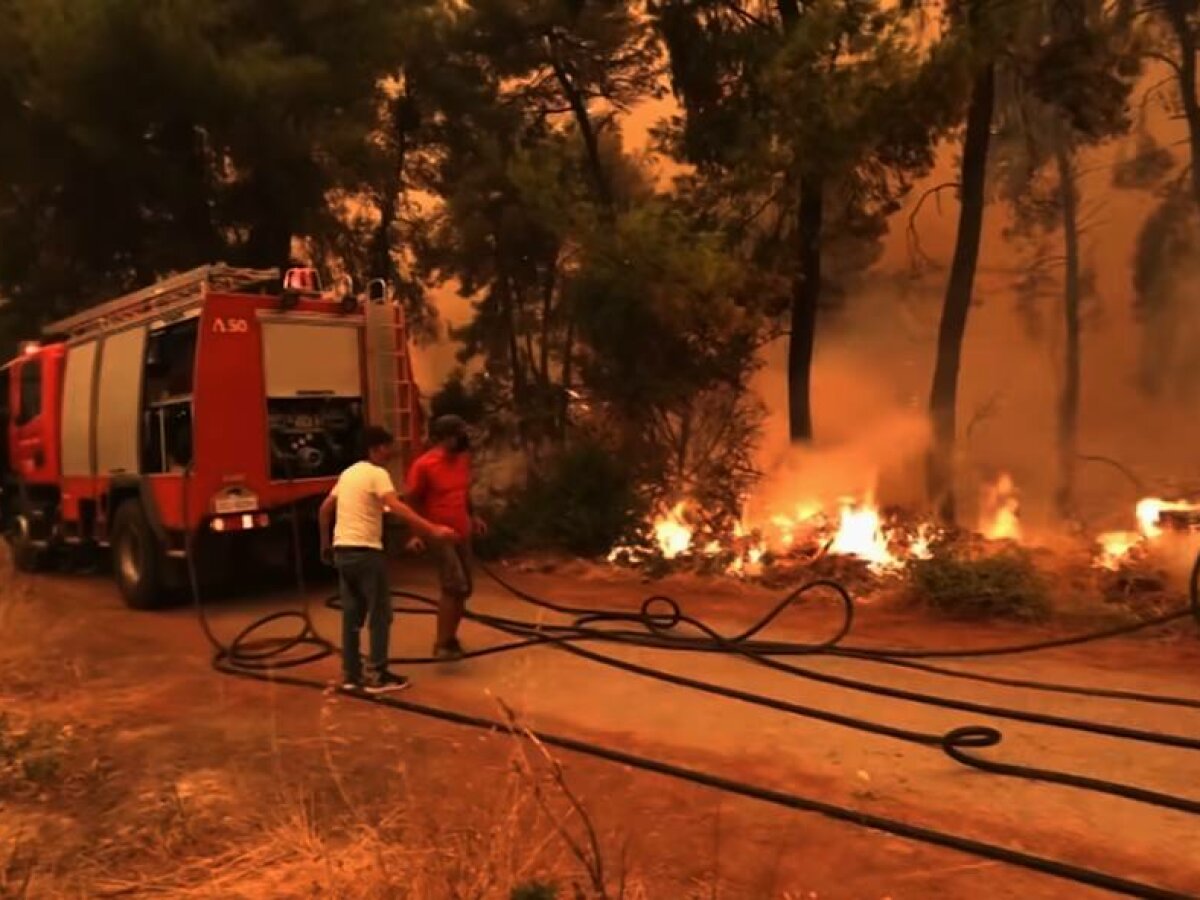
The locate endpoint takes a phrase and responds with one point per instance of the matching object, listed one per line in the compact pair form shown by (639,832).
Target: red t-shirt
(439,486)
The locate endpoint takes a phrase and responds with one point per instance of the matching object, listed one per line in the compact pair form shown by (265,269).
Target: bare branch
(745,15)
(916,254)
(591,858)
(1138,484)
(1163,58)
(983,412)
(1152,91)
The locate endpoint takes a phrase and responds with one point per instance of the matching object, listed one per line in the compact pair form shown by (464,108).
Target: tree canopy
(478,146)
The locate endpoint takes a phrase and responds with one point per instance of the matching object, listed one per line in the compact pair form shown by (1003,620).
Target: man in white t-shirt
(358,501)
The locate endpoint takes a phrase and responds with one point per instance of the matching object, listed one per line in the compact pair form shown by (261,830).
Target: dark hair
(374,437)
(448,426)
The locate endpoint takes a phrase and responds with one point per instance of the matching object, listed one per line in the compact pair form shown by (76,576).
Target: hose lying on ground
(266,658)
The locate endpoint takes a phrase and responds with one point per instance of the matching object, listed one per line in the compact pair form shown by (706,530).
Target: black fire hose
(266,658)
(954,743)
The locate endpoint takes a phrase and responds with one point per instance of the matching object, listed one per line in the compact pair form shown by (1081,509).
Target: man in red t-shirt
(439,484)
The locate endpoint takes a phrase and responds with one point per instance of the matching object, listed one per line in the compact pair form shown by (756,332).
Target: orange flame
(860,534)
(1149,513)
(999,510)
(1116,546)
(672,533)
(858,531)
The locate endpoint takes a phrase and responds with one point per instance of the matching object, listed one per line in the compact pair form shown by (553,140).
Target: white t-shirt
(359,492)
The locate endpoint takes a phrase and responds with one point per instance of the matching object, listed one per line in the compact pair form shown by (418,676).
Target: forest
(621,293)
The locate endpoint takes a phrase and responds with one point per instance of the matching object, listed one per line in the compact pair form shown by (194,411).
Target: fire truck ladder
(165,296)
(392,399)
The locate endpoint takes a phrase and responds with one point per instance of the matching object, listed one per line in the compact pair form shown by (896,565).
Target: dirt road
(182,782)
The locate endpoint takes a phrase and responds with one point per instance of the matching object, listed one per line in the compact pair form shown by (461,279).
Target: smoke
(871,437)
(1175,552)
(875,354)
(874,364)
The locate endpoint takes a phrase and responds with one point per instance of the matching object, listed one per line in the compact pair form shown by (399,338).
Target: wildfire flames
(672,534)
(999,509)
(1115,547)
(857,528)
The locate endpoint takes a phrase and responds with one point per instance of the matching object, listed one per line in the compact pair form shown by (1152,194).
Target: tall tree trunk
(1068,407)
(587,130)
(806,287)
(806,297)
(943,398)
(1178,14)
(520,393)
(380,256)
(568,373)
(403,114)
(548,286)
(685,440)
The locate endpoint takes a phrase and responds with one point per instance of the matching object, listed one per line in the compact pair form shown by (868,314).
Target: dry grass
(397,848)
(214,834)
(312,821)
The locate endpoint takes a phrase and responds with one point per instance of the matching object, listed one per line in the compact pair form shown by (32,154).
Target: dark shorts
(454,569)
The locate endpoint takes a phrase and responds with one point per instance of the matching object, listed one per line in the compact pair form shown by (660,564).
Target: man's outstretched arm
(403,511)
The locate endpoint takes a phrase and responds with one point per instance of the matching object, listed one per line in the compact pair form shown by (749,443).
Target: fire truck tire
(26,555)
(137,559)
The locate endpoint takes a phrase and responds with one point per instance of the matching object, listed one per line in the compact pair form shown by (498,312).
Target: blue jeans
(366,598)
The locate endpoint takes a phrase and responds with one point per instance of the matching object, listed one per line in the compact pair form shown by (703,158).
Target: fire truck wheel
(137,559)
(27,556)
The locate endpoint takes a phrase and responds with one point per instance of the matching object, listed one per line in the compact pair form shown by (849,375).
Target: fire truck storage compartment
(119,403)
(313,373)
(167,438)
(30,391)
(78,382)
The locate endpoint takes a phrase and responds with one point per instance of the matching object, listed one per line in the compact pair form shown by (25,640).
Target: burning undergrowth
(993,570)
(855,542)
(1140,569)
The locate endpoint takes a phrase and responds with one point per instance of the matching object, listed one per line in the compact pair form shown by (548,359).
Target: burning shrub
(1006,585)
(582,500)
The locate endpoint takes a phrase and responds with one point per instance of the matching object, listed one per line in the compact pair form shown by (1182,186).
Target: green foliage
(805,124)
(535,890)
(457,398)
(144,136)
(1146,168)
(1004,586)
(672,325)
(582,500)
(658,304)
(835,91)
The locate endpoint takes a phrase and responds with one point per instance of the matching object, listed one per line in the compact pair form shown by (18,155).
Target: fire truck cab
(198,415)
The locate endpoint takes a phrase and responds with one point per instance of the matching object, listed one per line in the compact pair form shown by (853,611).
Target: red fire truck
(203,412)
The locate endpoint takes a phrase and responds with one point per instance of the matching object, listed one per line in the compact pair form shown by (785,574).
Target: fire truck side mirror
(377,291)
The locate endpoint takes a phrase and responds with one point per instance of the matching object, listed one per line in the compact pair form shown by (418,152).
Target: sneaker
(351,687)
(448,652)
(387,683)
